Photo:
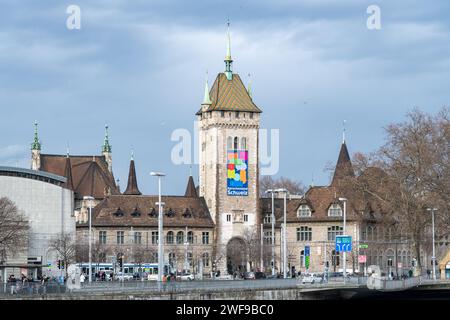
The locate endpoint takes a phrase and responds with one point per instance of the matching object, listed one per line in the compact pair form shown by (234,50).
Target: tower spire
(343,131)
(36,145)
(228,60)
(249,89)
(206,98)
(106,146)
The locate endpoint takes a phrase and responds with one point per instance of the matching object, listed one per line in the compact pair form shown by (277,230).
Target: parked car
(260,275)
(185,277)
(124,276)
(249,276)
(312,278)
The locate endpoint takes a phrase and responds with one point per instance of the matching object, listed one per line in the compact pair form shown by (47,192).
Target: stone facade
(228,212)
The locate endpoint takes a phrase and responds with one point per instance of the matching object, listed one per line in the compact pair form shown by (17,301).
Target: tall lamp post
(285,193)
(273,229)
(344,254)
(90,235)
(160,227)
(433,258)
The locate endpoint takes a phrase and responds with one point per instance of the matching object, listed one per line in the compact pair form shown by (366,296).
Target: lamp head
(342,199)
(157,174)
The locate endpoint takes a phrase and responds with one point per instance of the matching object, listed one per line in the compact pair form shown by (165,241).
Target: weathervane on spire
(343,131)
(36,145)
(228,60)
(106,146)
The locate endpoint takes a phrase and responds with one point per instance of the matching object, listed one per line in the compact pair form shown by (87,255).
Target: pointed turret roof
(132,187)
(68,174)
(36,145)
(106,146)
(191,191)
(343,166)
(206,98)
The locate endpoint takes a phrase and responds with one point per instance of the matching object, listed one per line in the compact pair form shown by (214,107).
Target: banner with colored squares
(237,173)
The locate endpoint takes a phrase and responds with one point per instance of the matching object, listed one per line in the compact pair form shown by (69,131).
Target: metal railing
(36,288)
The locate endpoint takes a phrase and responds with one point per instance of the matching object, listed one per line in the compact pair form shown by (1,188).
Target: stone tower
(36,150)
(107,150)
(228,147)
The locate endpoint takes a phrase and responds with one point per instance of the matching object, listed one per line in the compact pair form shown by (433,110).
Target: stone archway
(236,256)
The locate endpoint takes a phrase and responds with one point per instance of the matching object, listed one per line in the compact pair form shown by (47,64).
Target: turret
(36,150)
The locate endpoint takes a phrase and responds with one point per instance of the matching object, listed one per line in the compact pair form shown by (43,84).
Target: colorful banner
(307,256)
(237,173)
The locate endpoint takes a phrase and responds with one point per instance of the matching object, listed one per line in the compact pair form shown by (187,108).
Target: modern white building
(49,207)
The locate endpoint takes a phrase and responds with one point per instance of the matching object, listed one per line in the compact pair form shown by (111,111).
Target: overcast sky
(139,66)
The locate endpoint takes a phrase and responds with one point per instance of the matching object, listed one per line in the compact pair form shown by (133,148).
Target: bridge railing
(394,285)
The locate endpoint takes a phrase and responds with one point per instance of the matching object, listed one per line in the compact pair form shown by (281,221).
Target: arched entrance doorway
(236,256)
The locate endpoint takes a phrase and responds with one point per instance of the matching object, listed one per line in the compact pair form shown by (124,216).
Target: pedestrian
(82,278)
(410,272)
(428,274)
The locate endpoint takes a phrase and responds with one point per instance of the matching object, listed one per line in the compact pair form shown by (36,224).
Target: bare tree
(13,229)
(267,182)
(407,175)
(252,241)
(64,246)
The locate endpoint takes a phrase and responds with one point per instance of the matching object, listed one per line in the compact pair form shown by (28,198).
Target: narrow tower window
(236,143)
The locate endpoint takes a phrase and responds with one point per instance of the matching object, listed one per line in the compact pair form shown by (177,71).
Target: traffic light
(59,264)
(327,264)
(62,264)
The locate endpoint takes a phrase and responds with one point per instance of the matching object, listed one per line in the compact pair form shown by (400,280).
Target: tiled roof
(90,174)
(230,95)
(319,199)
(343,166)
(142,211)
(191,191)
(132,187)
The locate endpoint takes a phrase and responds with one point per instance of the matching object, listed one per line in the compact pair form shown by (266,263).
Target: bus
(148,270)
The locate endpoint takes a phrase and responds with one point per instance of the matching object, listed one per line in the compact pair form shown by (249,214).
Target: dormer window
(335,210)
(303,211)
(136,212)
(187,213)
(170,213)
(152,213)
(119,212)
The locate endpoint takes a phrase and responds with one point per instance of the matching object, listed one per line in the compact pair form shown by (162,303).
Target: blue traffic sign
(307,251)
(343,243)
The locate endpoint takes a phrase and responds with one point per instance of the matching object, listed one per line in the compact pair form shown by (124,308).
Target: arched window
(180,237)
(244,143)
(230,143)
(205,259)
(304,211)
(236,143)
(169,237)
(190,237)
(335,210)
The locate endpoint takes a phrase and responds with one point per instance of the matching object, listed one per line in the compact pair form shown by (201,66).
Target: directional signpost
(343,243)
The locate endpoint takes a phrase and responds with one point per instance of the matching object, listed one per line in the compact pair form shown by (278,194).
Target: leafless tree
(64,246)
(407,175)
(13,229)
(267,182)
(252,239)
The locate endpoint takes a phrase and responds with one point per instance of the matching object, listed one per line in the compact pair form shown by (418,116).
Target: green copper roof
(206,98)
(106,146)
(36,145)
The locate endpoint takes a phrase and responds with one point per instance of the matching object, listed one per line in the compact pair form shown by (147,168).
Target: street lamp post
(160,227)
(285,192)
(273,230)
(433,258)
(344,255)
(90,235)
